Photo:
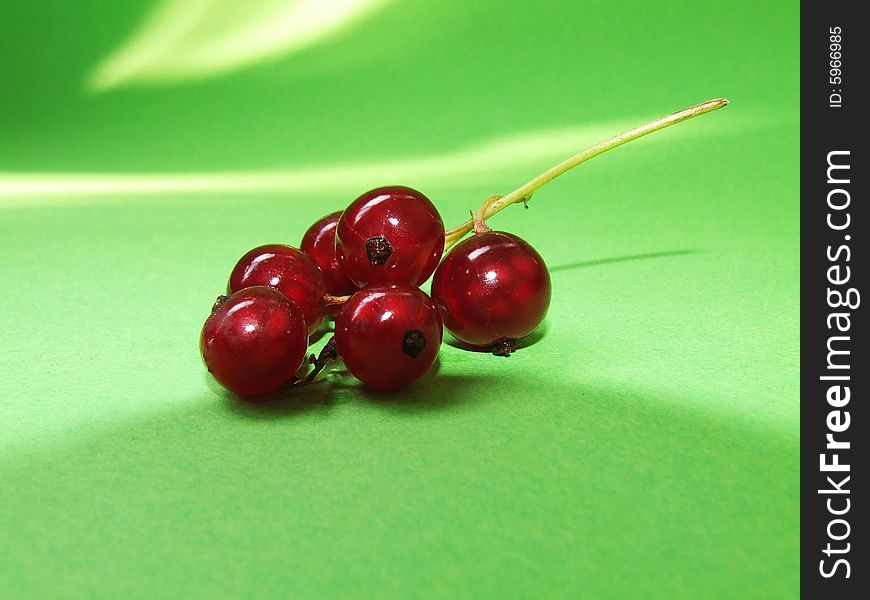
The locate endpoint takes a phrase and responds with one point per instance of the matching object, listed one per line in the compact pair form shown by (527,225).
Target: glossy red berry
(288,270)
(389,235)
(254,341)
(492,288)
(388,335)
(319,244)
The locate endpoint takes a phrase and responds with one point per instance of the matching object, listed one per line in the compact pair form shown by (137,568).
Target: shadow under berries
(287,402)
(434,391)
(530,340)
(553,470)
(537,335)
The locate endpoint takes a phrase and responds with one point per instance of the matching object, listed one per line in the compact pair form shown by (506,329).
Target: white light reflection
(473,165)
(193,39)
(478,252)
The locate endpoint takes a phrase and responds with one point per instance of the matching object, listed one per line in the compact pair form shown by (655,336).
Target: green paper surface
(645,445)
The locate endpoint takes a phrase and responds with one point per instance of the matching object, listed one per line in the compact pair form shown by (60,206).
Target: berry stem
(330,300)
(522,193)
(328,354)
(480,225)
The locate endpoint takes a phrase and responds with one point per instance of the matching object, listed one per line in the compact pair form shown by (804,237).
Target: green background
(646,445)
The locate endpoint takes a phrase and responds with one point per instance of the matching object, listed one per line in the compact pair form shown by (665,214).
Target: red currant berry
(289,271)
(389,235)
(388,335)
(491,290)
(254,341)
(319,244)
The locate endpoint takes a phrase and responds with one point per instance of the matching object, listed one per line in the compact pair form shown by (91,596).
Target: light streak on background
(194,39)
(464,167)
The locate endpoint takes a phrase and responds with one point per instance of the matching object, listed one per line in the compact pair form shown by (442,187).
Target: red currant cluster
(363,267)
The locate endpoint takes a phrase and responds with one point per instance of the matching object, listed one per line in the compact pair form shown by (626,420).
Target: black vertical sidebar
(835,369)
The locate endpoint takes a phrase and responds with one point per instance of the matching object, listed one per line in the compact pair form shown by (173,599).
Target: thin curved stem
(490,207)
(330,300)
(480,225)
(328,354)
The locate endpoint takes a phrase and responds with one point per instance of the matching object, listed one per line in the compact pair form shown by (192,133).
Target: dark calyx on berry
(505,347)
(391,234)
(219,302)
(378,249)
(388,335)
(414,343)
(255,341)
(492,287)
